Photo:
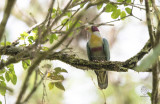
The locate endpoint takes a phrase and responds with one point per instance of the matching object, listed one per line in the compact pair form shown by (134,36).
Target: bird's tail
(102,77)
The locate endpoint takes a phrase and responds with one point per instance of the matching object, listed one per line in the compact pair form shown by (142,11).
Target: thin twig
(37,60)
(34,88)
(98,15)
(136,17)
(5,99)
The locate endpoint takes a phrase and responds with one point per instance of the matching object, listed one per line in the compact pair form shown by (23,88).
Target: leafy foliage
(26,64)
(52,38)
(110,7)
(120,0)
(123,14)
(24,35)
(128,1)
(149,94)
(7,43)
(99,6)
(51,85)
(115,12)
(2,88)
(2,71)
(7,74)
(2,78)
(128,10)
(56,78)
(59,85)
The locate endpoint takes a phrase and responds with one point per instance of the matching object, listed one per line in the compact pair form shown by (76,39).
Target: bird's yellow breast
(95,41)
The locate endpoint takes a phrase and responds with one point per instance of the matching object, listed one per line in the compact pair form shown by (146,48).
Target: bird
(98,50)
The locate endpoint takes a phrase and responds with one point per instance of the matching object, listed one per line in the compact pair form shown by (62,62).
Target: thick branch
(6,15)
(149,22)
(156,66)
(131,63)
(80,63)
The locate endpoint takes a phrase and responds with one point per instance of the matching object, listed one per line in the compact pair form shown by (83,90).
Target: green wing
(106,49)
(88,52)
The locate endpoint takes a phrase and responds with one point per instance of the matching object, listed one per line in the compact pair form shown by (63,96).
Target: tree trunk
(156,84)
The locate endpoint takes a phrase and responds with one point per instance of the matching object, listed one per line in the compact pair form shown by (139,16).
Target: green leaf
(54,10)
(11,67)
(58,70)
(2,43)
(75,1)
(2,88)
(128,10)
(51,85)
(116,13)
(0,102)
(26,64)
(64,21)
(59,11)
(13,78)
(35,30)
(8,43)
(7,76)
(120,0)
(30,39)
(128,1)
(54,15)
(64,70)
(123,14)
(141,1)
(2,71)
(59,85)
(24,35)
(59,77)
(52,38)
(110,7)
(149,94)
(2,78)
(82,5)
(69,14)
(77,25)
(69,24)
(99,6)
(45,48)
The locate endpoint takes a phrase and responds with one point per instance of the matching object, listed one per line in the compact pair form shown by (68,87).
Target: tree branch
(149,22)
(154,41)
(81,63)
(6,15)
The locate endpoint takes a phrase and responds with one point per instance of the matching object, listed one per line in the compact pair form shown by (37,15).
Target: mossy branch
(76,62)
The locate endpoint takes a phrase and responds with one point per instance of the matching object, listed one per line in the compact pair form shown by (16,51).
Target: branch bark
(6,15)
(155,99)
(76,62)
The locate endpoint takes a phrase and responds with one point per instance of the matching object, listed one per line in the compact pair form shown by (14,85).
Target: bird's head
(92,29)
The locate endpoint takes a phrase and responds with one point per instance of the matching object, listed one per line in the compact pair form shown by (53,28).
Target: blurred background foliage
(126,38)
